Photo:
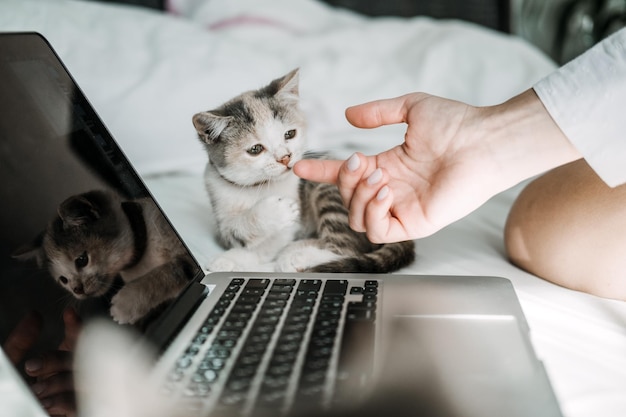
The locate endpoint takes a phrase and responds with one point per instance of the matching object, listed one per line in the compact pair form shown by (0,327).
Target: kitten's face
(258,136)
(86,245)
(87,267)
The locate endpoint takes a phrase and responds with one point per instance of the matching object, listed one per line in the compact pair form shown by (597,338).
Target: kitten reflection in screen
(96,237)
(264,212)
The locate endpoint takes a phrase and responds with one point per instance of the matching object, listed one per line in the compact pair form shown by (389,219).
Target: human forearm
(522,139)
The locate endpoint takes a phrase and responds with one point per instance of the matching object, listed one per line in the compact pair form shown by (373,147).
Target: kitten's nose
(285,159)
(79,289)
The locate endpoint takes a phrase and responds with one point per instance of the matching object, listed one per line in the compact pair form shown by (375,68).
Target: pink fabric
(170,8)
(245,20)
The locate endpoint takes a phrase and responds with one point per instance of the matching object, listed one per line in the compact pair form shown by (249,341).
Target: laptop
(254,343)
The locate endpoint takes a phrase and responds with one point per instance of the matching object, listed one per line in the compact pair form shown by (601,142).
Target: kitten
(97,237)
(264,212)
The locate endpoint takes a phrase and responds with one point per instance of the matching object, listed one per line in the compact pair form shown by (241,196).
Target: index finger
(318,170)
(22,337)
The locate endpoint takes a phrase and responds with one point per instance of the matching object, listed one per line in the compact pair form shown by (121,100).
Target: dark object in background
(493,14)
(154,4)
(562,29)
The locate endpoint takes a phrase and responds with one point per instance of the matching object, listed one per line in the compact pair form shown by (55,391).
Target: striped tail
(387,258)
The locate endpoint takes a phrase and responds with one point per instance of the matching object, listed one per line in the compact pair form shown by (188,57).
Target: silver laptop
(256,343)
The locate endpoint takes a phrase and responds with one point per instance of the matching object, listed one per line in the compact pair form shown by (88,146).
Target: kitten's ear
(287,86)
(210,126)
(32,251)
(77,211)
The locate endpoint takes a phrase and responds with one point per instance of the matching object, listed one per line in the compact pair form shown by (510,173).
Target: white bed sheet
(147,73)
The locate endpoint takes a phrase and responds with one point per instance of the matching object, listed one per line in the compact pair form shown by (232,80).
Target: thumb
(378,113)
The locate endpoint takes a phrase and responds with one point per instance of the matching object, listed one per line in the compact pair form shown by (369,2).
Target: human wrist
(523,139)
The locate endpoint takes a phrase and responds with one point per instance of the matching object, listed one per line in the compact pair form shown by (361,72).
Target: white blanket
(147,73)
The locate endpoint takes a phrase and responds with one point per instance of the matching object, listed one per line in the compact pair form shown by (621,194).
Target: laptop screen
(75,216)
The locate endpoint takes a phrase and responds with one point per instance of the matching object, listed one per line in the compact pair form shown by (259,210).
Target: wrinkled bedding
(148,72)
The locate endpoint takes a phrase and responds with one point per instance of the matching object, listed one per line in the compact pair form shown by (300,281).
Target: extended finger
(318,170)
(49,363)
(23,337)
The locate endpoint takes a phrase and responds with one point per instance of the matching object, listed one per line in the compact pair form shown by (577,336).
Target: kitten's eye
(256,149)
(81,261)
(63,280)
(290,134)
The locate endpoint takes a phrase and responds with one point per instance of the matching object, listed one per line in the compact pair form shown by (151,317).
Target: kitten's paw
(236,259)
(281,211)
(222,264)
(129,305)
(300,257)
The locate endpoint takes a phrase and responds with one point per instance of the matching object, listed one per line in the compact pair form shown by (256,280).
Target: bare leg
(569,227)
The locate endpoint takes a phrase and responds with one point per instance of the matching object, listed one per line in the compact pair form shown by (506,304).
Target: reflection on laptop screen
(76,220)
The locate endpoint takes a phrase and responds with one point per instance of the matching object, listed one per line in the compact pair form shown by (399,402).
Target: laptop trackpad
(470,345)
(480,365)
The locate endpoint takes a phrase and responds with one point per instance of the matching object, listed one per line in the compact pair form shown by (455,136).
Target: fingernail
(33,365)
(382,193)
(354,163)
(375,177)
(46,402)
(38,388)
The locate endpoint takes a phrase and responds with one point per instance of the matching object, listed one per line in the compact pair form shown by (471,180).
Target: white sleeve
(587,100)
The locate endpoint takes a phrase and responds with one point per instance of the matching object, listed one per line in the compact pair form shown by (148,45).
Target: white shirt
(587,100)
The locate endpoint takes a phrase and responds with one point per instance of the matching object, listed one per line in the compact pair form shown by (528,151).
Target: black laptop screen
(67,192)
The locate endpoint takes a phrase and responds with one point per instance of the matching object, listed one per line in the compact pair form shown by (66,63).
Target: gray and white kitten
(97,237)
(264,212)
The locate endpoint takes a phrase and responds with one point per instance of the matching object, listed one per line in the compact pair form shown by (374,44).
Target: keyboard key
(285,281)
(336,287)
(356,290)
(257,283)
(310,285)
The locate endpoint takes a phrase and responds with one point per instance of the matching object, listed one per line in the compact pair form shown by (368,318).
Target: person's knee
(569,227)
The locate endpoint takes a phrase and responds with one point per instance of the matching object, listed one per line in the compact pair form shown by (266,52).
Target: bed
(148,71)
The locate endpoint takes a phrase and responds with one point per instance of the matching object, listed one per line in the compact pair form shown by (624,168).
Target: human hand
(417,187)
(52,371)
(454,158)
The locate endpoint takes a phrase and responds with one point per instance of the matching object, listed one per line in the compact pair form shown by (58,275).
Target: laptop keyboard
(272,343)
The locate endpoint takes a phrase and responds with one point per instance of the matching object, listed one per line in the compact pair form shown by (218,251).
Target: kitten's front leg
(138,297)
(251,258)
(270,216)
(130,304)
